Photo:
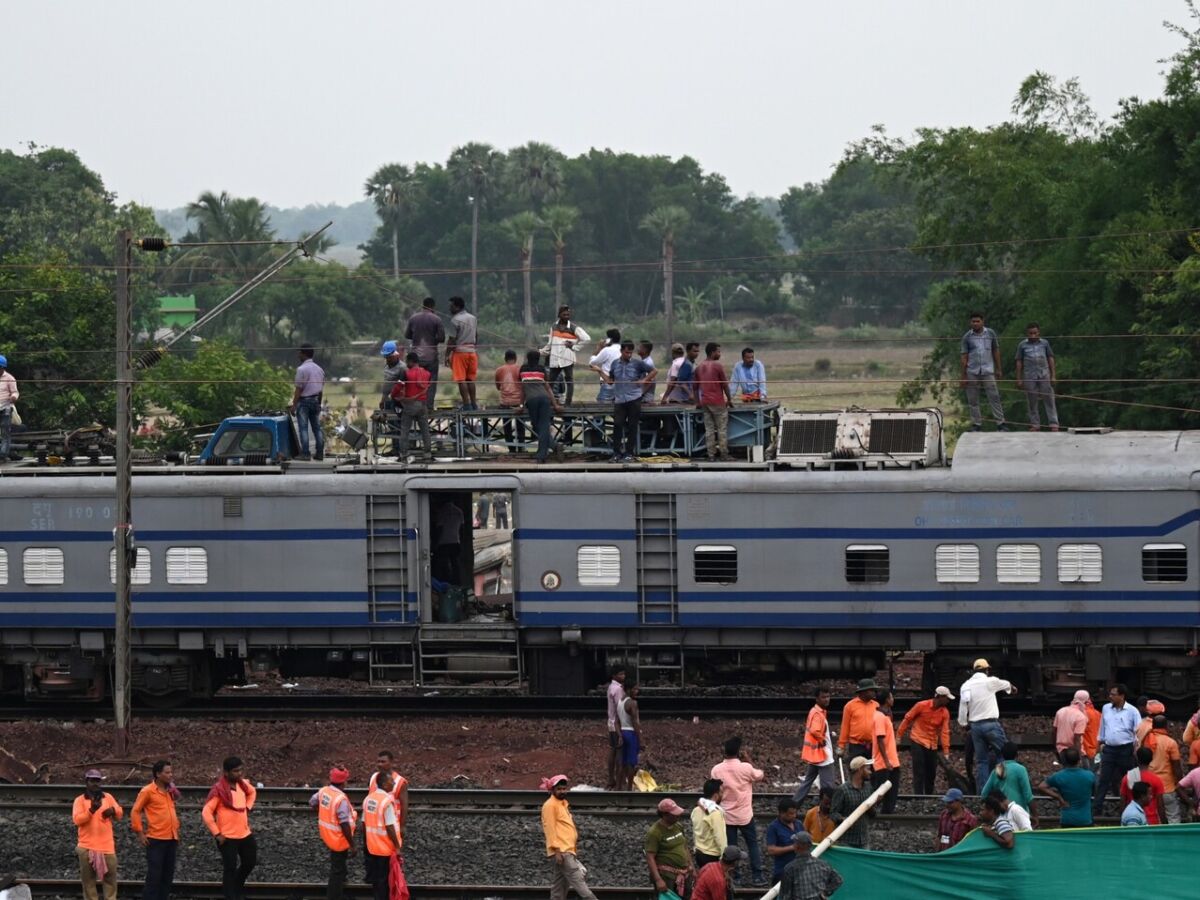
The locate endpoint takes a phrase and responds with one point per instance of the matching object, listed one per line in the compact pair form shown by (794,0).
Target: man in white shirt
(616,696)
(607,352)
(979,713)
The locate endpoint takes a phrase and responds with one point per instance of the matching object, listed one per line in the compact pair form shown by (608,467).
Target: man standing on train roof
(858,721)
(1036,377)
(1118,739)
(606,352)
(930,724)
(565,336)
(393,374)
(336,820)
(460,351)
(817,747)
(413,392)
(9,395)
(981,368)
(385,762)
(979,713)
(424,332)
(306,402)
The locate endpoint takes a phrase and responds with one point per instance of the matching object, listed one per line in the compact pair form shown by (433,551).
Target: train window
(3,567)
(43,565)
(867,564)
(957,563)
(598,565)
(1080,563)
(141,569)
(1164,562)
(1018,564)
(187,565)
(715,564)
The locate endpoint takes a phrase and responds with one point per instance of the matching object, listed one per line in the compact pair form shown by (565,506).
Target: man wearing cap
(715,880)
(558,826)
(954,821)
(979,713)
(680,386)
(805,877)
(9,395)
(858,721)
(336,820)
(930,724)
(93,813)
(156,802)
(848,797)
(424,332)
(1070,723)
(393,375)
(667,853)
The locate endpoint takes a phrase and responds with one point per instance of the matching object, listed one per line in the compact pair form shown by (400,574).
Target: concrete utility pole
(123,533)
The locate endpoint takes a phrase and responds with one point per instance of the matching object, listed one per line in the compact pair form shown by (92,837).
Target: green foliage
(201,388)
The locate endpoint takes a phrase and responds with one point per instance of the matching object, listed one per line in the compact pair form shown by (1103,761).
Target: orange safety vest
(328,800)
(374,810)
(815,729)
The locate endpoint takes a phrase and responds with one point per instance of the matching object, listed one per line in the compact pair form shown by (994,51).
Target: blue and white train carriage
(1071,557)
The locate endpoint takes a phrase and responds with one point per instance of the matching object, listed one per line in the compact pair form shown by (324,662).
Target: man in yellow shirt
(709,837)
(561,836)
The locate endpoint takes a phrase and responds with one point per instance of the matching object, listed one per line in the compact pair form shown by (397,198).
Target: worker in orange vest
(93,813)
(385,762)
(336,819)
(382,835)
(818,747)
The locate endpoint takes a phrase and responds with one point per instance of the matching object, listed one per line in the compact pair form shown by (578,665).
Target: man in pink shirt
(737,799)
(616,693)
(1070,723)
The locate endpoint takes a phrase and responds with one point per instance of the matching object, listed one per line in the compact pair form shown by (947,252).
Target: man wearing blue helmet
(8,397)
(393,375)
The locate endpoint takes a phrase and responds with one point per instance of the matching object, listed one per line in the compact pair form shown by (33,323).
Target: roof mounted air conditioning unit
(860,438)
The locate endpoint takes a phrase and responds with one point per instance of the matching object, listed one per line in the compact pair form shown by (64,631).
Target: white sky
(299,102)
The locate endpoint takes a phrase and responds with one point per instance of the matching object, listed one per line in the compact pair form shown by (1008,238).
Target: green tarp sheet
(1160,861)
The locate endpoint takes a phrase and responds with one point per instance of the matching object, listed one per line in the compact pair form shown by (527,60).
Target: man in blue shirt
(749,378)
(1118,739)
(781,837)
(1135,812)
(981,368)
(630,377)
(1072,788)
(1036,377)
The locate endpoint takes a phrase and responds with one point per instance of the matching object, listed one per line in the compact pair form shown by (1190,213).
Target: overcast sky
(299,102)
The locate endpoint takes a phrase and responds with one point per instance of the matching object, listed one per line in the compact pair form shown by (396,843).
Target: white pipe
(840,830)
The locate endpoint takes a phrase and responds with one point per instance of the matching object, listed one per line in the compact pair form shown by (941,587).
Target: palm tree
(559,220)
(694,303)
(521,229)
(473,169)
(221,218)
(535,171)
(394,190)
(665,222)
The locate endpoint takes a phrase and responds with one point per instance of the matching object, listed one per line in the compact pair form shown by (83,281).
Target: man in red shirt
(714,401)
(715,881)
(1155,813)
(412,404)
(508,383)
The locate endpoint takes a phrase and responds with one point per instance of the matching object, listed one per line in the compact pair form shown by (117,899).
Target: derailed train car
(1067,559)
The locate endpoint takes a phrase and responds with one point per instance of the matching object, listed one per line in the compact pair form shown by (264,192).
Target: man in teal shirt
(1011,779)
(1072,788)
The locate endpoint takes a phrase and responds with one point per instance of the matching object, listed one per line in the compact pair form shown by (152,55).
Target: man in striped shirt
(995,823)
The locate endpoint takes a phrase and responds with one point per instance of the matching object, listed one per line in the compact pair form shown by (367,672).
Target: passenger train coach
(1066,559)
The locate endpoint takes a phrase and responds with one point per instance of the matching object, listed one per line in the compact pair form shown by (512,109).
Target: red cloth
(712,883)
(397,883)
(1156,791)
(224,793)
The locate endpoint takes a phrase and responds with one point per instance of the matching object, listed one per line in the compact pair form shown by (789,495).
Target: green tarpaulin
(1159,861)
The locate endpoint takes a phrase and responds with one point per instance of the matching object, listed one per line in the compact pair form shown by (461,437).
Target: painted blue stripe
(528,619)
(577,596)
(184,595)
(176,620)
(872,621)
(210,534)
(576,534)
(922,533)
(870,595)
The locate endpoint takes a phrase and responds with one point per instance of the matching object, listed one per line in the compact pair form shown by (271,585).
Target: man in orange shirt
(885,760)
(93,812)
(386,762)
(160,837)
(227,816)
(858,718)
(1166,764)
(1091,734)
(817,750)
(930,724)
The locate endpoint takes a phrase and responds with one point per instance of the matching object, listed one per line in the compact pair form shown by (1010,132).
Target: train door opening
(467,627)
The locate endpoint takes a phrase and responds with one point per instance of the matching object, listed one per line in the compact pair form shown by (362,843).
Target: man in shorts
(460,351)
